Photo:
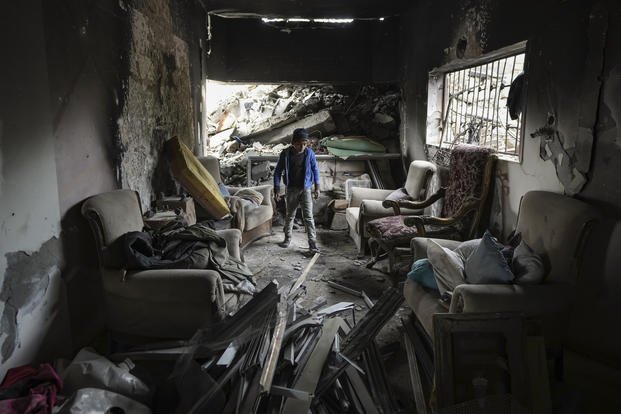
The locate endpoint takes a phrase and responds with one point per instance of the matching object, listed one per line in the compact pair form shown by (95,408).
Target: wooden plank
(417,386)
(312,370)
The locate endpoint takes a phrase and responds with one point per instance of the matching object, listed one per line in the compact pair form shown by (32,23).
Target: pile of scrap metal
(275,356)
(261,119)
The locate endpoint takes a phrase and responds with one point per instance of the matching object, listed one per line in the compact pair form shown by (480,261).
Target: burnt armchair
(142,305)
(463,200)
(253,221)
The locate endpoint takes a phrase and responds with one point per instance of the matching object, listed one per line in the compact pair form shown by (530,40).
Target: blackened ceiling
(308,8)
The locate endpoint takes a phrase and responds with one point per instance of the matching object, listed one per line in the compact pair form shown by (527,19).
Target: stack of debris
(261,119)
(276,356)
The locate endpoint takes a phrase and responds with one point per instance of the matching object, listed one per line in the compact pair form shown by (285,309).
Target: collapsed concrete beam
(321,121)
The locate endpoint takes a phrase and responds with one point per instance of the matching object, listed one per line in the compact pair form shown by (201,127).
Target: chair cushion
(391,231)
(256,215)
(487,264)
(422,272)
(398,195)
(528,266)
(448,268)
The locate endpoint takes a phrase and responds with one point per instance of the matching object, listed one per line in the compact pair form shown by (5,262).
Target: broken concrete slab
(321,121)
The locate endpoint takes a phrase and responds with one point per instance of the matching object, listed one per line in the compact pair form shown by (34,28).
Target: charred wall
(563,82)
(248,50)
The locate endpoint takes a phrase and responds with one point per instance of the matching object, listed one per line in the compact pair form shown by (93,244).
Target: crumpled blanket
(29,390)
(177,246)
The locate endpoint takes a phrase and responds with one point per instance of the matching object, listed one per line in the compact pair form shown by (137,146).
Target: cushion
(528,266)
(487,265)
(422,273)
(223,190)
(398,195)
(251,195)
(393,231)
(465,249)
(448,267)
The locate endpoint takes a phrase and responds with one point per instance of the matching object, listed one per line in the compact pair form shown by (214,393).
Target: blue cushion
(422,273)
(223,190)
(487,265)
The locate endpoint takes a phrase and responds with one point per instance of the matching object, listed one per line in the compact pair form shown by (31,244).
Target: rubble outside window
(478,101)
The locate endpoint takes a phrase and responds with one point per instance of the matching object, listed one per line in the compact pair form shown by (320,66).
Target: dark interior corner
(505,112)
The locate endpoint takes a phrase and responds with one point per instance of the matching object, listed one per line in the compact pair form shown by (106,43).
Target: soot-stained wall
(564,42)
(249,50)
(92,90)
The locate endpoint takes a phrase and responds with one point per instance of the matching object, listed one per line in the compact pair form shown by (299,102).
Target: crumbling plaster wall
(31,289)
(558,35)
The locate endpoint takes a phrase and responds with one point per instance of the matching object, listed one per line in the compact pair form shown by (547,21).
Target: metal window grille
(475,106)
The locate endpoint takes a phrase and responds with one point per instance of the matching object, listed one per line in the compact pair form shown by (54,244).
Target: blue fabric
(311,171)
(422,273)
(223,190)
(487,265)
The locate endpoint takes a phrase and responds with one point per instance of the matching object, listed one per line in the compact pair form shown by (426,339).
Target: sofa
(556,227)
(366,203)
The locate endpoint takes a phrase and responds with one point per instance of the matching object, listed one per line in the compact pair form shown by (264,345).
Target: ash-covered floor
(338,262)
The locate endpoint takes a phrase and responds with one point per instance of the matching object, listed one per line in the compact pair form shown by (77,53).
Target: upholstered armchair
(366,203)
(151,304)
(253,221)
(463,199)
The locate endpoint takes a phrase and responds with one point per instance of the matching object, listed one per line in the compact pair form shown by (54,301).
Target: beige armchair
(556,227)
(151,304)
(255,221)
(366,203)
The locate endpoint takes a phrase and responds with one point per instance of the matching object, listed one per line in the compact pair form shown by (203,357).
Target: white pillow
(448,267)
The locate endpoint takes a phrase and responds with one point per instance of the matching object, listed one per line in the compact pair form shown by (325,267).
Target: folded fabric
(528,266)
(398,195)
(487,265)
(422,273)
(448,268)
(250,194)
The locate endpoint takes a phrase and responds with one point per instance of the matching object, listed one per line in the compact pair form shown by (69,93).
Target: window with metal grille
(468,103)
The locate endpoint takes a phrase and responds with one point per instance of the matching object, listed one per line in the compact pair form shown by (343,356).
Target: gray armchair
(366,203)
(149,304)
(255,221)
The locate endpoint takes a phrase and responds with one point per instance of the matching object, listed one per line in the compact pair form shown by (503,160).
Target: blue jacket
(311,174)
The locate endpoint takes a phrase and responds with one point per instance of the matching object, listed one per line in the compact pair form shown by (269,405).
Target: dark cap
(300,134)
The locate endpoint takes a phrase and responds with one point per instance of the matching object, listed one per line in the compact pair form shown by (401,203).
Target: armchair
(142,304)
(366,203)
(464,200)
(556,227)
(254,221)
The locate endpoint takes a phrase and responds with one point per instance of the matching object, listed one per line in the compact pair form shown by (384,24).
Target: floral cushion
(392,232)
(466,171)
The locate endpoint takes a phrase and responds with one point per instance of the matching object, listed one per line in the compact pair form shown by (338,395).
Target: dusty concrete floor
(338,262)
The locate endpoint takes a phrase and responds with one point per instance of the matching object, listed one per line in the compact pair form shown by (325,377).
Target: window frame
(437,95)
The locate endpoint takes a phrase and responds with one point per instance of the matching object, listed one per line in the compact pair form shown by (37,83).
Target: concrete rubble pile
(261,120)
(275,355)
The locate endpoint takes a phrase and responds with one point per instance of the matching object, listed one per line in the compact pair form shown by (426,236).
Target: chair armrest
(233,241)
(532,300)
(418,246)
(265,190)
(358,194)
(416,205)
